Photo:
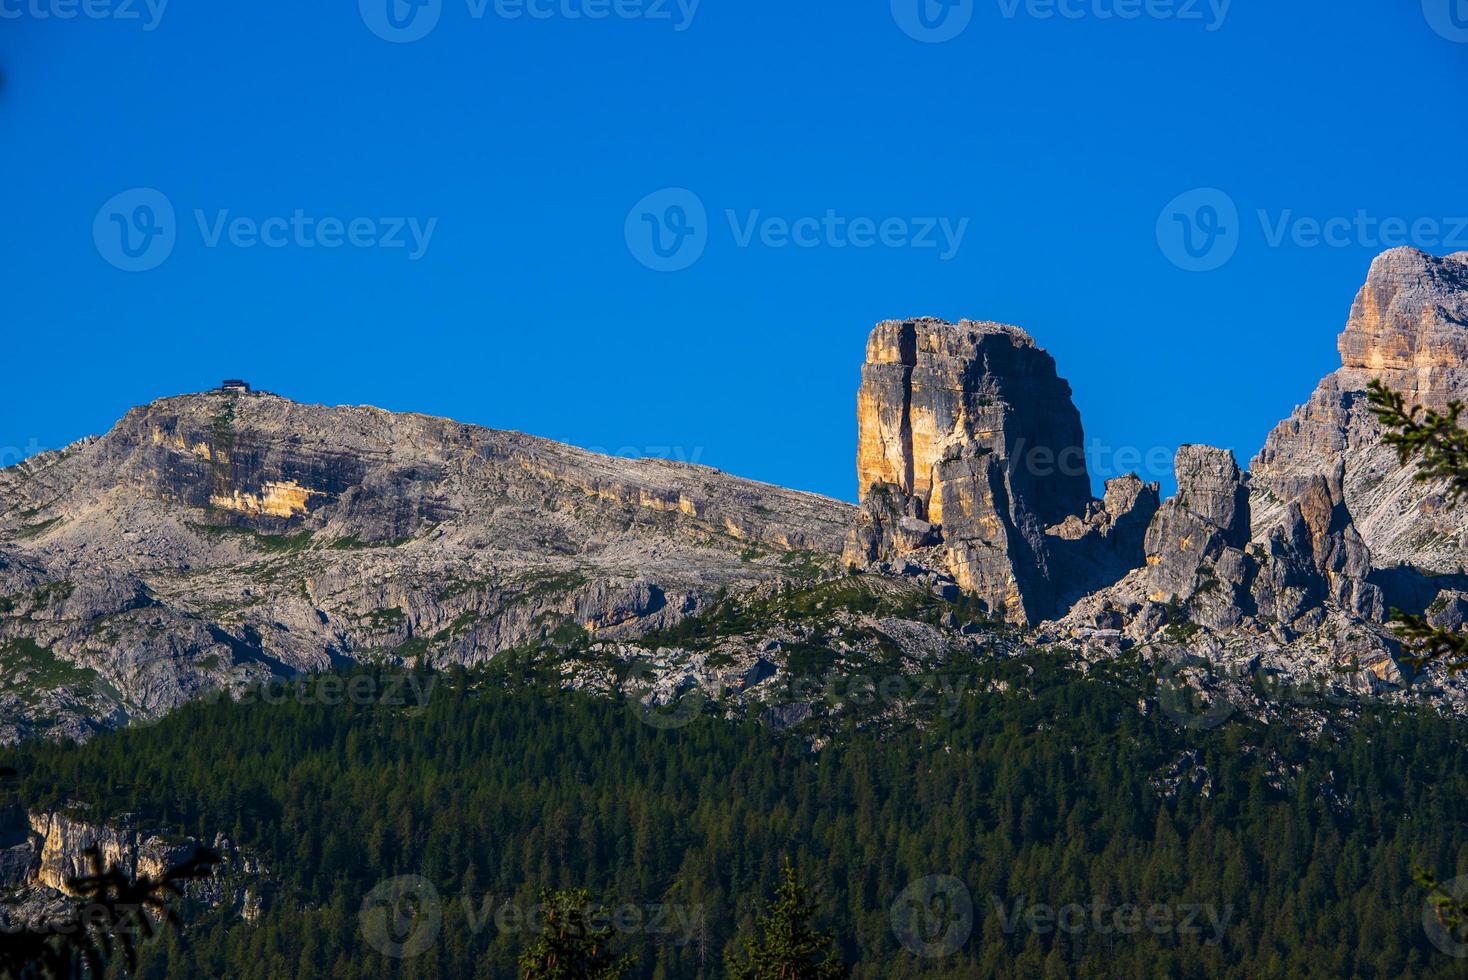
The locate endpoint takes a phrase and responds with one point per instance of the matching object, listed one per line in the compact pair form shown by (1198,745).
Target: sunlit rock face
(931,388)
(216,539)
(1409,328)
(969,444)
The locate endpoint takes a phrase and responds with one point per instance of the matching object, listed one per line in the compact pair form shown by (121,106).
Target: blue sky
(461,224)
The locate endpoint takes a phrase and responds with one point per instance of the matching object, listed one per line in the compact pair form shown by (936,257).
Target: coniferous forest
(1242,850)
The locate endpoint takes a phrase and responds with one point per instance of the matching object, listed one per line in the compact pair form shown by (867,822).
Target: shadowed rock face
(971,458)
(217,538)
(930,388)
(1408,327)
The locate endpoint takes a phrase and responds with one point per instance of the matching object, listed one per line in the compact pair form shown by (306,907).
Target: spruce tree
(789,949)
(571,946)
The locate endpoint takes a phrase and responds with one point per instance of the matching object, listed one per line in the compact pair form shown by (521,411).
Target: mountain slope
(217,538)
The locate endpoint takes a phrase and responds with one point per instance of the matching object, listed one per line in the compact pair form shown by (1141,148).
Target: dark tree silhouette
(572,947)
(114,915)
(788,948)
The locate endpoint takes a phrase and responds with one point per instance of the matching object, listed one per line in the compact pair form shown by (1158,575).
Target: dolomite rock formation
(1408,327)
(215,540)
(1299,590)
(43,851)
(970,458)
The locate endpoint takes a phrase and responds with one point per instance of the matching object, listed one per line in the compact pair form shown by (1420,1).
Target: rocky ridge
(223,538)
(42,853)
(216,540)
(1408,327)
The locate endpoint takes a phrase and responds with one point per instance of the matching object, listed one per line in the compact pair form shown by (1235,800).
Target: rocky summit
(1409,328)
(222,538)
(215,540)
(970,460)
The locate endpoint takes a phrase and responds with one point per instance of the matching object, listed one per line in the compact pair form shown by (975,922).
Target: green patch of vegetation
(52,592)
(267,543)
(806,564)
(29,670)
(36,530)
(380,619)
(855,594)
(352,543)
(534,585)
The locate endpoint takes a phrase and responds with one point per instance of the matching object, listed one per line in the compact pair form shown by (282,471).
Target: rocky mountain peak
(1409,326)
(970,460)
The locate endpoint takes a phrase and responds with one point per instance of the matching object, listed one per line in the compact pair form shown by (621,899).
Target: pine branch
(1437,441)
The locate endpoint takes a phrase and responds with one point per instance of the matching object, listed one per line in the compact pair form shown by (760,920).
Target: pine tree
(571,947)
(789,948)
